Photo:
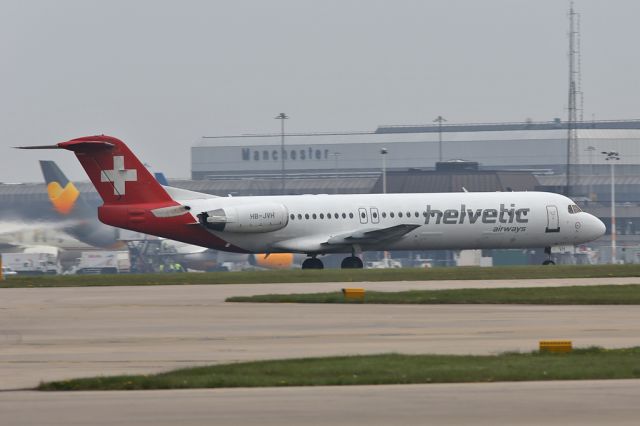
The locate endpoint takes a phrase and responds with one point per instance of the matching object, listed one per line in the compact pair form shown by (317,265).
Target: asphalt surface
(527,403)
(60,333)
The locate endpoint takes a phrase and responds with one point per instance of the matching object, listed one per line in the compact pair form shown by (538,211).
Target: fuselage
(443,221)
(316,224)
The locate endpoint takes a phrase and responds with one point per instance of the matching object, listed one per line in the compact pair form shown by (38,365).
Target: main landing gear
(351,262)
(547,251)
(312,263)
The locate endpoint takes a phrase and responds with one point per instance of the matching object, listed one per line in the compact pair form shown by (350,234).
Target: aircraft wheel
(351,262)
(548,262)
(312,263)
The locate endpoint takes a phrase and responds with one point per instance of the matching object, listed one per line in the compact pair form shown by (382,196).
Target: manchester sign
(304,154)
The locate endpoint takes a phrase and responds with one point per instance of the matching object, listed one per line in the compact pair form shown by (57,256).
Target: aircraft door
(362,213)
(553,221)
(375,216)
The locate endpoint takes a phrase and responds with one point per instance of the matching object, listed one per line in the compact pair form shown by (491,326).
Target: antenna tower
(575,91)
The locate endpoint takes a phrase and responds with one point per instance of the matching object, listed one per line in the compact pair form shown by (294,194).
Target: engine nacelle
(246,218)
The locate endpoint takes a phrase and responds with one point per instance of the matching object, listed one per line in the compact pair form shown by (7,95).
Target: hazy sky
(160,74)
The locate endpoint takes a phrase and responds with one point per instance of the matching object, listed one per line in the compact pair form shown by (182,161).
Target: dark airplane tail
(161,178)
(62,193)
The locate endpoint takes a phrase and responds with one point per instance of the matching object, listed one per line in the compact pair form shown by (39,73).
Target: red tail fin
(117,174)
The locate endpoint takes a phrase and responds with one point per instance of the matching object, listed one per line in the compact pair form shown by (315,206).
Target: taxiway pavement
(613,402)
(60,333)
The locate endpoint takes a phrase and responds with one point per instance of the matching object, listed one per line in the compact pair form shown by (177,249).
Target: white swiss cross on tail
(119,175)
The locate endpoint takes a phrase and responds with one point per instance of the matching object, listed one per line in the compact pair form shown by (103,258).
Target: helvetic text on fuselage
(503,216)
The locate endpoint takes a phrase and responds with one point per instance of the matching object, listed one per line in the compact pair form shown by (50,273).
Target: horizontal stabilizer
(38,147)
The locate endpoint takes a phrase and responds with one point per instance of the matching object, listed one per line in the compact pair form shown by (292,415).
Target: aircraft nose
(596,227)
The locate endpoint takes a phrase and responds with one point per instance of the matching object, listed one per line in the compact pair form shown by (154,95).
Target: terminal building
(529,147)
(436,158)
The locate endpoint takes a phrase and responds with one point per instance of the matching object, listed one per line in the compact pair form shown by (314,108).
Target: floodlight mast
(282,116)
(384,153)
(613,157)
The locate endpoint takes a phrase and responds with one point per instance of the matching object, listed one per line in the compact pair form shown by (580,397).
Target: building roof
(561,180)
(629,129)
(556,124)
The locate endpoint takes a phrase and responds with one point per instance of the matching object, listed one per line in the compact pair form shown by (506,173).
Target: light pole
(335,170)
(590,150)
(384,152)
(439,120)
(282,116)
(613,157)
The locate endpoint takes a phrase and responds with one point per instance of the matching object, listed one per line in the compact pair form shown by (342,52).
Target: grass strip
(574,295)
(328,275)
(581,364)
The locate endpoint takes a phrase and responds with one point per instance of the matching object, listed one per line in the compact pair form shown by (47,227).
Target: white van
(7,272)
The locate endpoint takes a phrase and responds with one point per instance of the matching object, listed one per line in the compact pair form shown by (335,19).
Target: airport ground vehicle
(102,262)
(384,263)
(34,263)
(7,272)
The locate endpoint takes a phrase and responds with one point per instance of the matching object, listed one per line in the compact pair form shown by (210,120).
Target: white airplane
(320,224)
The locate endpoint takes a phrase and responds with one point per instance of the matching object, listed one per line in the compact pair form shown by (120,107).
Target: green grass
(575,295)
(583,364)
(330,275)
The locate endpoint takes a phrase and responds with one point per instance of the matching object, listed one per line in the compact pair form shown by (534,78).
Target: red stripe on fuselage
(138,217)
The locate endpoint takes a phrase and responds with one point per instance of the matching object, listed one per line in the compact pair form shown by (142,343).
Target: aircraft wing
(317,243)
(371,236)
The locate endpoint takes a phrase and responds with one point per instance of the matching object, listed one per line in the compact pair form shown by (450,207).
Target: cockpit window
(574,209)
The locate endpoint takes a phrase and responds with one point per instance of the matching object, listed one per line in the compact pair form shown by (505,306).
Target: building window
(314,216)
(351,215)
(321,215)
(399,214)
(293,216)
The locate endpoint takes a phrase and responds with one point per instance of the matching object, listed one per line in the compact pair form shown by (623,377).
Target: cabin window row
(363,215)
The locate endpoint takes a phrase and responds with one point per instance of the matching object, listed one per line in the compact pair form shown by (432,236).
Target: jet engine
(246,218)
